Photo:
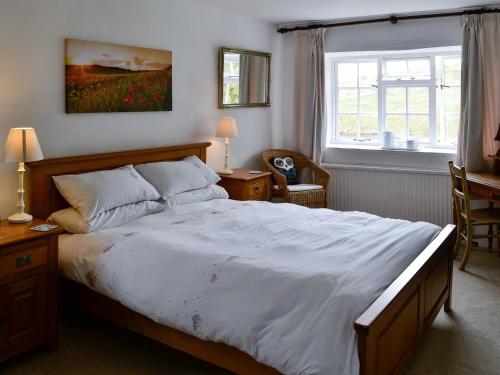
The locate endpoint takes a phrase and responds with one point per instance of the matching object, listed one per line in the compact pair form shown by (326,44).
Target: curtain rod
(392,19)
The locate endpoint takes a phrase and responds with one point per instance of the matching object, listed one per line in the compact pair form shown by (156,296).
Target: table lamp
(21,146)
(227,129)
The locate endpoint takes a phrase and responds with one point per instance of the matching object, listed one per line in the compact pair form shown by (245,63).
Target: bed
(388,331)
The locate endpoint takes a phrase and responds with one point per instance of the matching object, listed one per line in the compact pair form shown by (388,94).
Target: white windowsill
(380,168)
(372,157)
(422,150)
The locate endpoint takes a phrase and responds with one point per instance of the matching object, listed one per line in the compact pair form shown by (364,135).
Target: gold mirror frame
(222,52)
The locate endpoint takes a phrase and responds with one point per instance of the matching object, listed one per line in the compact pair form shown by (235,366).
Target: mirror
(244,78)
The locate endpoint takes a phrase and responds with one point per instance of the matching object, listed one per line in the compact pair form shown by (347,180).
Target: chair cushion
(301,187)
(286,166)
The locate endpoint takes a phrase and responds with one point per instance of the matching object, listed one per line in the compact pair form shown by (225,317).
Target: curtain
(309,92)
(253,79)
(244,77)
(480,101)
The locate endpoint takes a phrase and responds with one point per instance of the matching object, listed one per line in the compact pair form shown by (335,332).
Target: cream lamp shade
(227,128)
(21,146)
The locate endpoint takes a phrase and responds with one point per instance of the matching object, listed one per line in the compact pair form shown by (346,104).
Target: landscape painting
(101,77)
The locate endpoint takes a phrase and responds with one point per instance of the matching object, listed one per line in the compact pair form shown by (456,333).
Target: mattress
(280,282)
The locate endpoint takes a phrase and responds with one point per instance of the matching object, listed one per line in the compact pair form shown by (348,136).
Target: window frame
(332,89)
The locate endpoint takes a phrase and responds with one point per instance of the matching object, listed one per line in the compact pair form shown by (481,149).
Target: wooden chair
(302,194)
(468,218)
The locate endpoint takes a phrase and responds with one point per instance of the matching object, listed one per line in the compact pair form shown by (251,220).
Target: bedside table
(243,186)
(28,288)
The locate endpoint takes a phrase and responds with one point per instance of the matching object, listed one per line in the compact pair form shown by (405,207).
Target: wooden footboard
(391,328)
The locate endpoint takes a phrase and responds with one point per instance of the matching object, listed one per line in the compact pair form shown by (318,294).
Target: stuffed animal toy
(287,167)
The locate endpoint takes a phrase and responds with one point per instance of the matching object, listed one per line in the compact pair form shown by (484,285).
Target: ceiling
(286,11)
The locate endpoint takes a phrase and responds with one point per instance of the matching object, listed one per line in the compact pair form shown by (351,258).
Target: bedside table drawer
(23,260)
(257,190)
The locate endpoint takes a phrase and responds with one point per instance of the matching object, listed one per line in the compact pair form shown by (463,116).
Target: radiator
(415,196)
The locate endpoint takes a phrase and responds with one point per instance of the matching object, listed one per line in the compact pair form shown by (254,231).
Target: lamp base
(226,171)
(19,218)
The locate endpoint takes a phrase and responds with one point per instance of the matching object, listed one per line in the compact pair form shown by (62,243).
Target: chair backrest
(459,189)
(300,160)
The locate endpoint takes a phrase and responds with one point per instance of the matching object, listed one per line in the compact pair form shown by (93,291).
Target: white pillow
(199,195)
(174,177)
(211,176)
(73,222)
(95,192)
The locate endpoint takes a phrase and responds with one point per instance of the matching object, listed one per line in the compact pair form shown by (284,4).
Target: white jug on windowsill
(388,139)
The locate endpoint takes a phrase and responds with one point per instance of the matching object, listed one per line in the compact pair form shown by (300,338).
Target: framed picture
(102,77)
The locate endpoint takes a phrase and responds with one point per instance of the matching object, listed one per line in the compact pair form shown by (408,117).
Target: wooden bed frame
(388,331)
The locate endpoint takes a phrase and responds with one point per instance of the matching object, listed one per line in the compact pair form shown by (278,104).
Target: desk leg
(490,229)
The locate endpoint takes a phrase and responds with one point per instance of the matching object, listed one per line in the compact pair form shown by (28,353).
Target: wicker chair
(316,198)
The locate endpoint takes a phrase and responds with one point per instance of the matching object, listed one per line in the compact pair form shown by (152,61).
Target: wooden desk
(484,185)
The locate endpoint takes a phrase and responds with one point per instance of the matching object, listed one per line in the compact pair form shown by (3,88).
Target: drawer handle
(23,261)
(256,189)
(3,320)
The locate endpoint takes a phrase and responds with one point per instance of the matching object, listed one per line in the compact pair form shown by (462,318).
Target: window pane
(411,69)
(451,128)
(348,100)
(439,121)
(452,100)
(439,62)
(418,100)
(418,127)
(368,127)
(419,69)
(452,69)
(395,101)
(232,65)
(397,124)
(395,69)
(368,74)
(348,126)
(347,74)
(231,93)
(368,100)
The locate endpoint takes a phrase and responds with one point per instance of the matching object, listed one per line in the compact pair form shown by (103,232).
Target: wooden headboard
(44,196)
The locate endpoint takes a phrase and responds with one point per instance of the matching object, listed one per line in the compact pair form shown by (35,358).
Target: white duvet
(280,282)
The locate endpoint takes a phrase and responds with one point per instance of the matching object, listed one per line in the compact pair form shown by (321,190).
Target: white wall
(32,77)
(416,34)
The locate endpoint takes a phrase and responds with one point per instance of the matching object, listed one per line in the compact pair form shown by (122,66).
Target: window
(415,94)
(231,89)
